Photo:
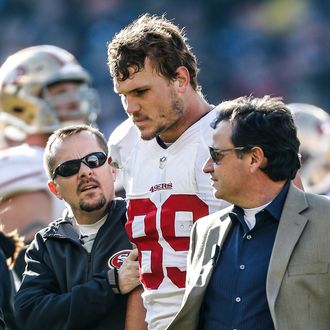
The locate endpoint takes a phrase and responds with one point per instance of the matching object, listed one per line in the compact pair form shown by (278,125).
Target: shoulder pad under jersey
(122,142)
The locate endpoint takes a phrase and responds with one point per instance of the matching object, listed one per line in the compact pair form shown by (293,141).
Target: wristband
(113,280)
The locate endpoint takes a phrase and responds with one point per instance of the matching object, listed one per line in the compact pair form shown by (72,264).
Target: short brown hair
(61,134)
(154,37)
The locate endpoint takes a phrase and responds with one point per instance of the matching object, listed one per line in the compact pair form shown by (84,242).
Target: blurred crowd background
(278,47)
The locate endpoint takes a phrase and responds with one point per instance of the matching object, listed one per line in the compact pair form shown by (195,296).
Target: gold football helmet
(24,99)
(313,128)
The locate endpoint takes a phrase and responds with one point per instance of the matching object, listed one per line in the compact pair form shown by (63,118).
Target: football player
(313,127)
(42,88)
(160,150)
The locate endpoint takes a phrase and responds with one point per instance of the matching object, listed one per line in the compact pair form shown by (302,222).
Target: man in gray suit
(263,263)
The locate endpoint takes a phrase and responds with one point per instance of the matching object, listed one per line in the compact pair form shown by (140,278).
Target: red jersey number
(150,241)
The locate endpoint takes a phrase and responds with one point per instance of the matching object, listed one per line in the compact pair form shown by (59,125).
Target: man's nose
(208,166)
(84,170)
(132,106)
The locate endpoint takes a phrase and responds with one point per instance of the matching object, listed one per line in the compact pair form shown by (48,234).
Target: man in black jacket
(73,278)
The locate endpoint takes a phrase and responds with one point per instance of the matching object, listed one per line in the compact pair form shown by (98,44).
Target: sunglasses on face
(218,154)
(71,167)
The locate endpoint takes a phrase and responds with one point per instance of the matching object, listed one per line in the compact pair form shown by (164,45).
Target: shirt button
(248,237)
(242,267)
(238,299)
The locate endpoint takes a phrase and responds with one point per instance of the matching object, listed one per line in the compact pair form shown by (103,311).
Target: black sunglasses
(218,154)
(71,167)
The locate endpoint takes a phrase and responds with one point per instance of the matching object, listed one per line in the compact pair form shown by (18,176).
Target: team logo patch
(116,260)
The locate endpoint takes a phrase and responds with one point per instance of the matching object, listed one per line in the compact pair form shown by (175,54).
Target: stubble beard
(90,207)
(177,111)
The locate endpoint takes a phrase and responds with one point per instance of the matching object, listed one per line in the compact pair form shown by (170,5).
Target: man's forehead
(137,77)
(75,146)
(74,139)
(222,132)
(135,81)
(224,127)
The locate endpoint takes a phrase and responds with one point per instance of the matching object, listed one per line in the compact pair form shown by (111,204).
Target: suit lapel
(216,236)
(289,231)
(219,232)
(213,246)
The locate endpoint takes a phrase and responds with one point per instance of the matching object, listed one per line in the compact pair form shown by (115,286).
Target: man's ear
(113,168)
(114,172)
(53,188)
(182,78)
(258,158)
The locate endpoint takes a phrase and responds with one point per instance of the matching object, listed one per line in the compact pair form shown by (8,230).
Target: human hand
(128,273)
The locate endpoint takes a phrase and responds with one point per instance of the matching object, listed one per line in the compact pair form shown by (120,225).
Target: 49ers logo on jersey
(161,186)
(116,260)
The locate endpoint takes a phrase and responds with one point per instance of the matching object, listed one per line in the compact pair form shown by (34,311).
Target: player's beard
(90,207)
(171,118)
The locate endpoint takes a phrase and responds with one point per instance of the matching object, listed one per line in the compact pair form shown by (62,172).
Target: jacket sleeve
(2,322)
(40,304)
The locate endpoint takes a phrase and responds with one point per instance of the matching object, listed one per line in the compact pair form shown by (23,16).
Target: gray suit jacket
(298,279)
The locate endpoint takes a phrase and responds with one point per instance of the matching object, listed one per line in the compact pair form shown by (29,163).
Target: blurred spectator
(313,128)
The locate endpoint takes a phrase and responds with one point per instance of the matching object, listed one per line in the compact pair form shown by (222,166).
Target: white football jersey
(21,170)
(166,191)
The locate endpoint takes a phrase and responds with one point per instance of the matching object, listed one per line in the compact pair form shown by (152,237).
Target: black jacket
(7,288)
(2,321)
(65,287)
